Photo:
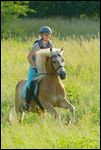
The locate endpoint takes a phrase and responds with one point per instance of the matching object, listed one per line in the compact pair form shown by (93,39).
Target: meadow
(81,42)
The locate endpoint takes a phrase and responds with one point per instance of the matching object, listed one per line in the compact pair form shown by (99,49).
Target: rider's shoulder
(35,46)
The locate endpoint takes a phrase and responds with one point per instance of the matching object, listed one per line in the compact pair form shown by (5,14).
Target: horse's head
(57,63)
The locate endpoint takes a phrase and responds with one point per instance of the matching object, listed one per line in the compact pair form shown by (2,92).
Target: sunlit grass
(50,135)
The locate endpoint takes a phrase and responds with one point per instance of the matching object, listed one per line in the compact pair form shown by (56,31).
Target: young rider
(42,43)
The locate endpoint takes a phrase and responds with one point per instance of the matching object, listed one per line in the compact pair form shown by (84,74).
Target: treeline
(68,9)
(12,10)
(40,9)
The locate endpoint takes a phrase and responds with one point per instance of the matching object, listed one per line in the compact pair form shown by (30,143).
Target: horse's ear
(62,49)
(51,49)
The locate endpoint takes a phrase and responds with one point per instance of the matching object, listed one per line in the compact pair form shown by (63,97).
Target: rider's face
(46,36)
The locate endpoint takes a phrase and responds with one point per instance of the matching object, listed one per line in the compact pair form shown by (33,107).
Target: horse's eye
(54,62)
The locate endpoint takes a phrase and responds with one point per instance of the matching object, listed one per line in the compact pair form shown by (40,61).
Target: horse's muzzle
(62,75)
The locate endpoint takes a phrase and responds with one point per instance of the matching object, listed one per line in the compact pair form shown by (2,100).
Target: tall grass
(82,88)
(63,28)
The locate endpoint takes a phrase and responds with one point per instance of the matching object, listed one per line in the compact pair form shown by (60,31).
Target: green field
(81,42)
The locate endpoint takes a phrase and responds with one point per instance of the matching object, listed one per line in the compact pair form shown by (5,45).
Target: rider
(42,43)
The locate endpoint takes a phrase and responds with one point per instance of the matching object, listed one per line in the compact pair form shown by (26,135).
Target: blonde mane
(42,55)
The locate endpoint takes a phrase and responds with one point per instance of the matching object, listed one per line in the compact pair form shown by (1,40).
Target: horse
(51,91)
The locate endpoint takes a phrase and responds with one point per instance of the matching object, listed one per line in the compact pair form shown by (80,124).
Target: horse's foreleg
(49,107)
(67,105)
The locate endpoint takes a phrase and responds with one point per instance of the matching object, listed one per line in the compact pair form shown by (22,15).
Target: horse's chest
(54,92)
(56,98)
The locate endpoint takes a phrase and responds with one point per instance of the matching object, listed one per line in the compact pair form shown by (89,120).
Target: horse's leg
(49,107)
(42,116)
(13,116)
(19,116)
(18,110)
(22,117)
(67,105)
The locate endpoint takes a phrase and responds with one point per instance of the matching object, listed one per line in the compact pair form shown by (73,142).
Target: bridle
(53,68)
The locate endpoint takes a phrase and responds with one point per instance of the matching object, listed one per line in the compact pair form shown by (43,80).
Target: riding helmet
(45,29)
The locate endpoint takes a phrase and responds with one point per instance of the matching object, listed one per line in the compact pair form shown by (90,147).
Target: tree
(13,9)
(64,8)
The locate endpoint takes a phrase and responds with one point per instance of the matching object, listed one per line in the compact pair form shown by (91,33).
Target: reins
(45,74)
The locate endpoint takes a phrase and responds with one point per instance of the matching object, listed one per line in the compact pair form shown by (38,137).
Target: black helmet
(45,29)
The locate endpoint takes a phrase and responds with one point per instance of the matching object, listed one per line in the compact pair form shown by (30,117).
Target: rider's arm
(32,53)
(29,57)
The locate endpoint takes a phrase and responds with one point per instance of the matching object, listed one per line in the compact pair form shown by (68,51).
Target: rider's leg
(31,74)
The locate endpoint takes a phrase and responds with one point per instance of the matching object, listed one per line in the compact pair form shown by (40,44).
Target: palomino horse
(51,90)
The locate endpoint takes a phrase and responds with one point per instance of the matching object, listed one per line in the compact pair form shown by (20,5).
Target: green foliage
(11,10)
(49,9)
(82,57)
(65,9)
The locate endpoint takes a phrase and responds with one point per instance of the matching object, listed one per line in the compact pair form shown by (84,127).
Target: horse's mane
(41,57)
